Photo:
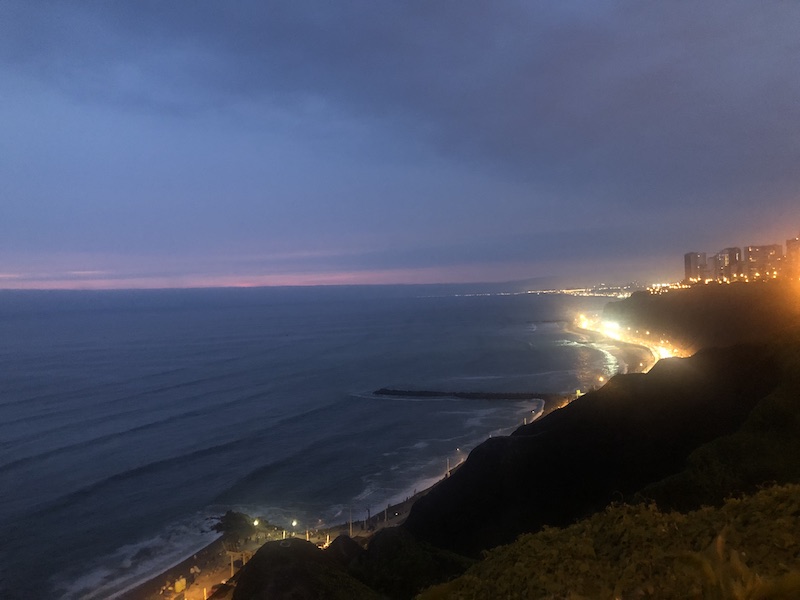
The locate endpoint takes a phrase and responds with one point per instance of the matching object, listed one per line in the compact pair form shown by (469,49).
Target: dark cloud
(673,117)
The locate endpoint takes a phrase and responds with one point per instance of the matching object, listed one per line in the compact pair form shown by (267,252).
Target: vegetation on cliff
(747,549)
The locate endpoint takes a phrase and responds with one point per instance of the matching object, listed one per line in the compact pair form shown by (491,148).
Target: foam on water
(131,564)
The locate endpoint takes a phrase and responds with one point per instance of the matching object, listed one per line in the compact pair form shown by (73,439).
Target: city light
(664,352)
(663,348)
(746,264)
(611,329)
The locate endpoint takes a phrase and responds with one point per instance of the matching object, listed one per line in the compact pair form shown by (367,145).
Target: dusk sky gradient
(176,143)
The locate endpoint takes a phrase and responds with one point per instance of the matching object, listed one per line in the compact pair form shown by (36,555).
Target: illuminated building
(695,266)
(762,262)
(793,257)
(727,264)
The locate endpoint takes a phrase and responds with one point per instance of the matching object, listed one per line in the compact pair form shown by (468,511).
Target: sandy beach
(637,358)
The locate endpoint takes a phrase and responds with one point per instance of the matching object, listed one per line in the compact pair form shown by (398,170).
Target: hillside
(765,448)
(746,549)
(714,315)
(605,446)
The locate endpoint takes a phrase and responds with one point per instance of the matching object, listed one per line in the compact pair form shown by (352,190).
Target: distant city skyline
(746,263)
(194,144)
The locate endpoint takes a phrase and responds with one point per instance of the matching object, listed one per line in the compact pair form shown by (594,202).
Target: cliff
(604,446)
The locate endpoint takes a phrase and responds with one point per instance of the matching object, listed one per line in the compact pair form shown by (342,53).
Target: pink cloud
(98,280)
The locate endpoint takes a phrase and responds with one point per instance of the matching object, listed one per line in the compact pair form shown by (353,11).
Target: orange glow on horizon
(106,280)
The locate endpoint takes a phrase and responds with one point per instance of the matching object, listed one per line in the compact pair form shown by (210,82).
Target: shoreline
(217,565)
(209,560)
(214,560)
(627,349)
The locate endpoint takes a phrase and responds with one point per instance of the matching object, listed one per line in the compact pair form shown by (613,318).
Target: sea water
(130,420)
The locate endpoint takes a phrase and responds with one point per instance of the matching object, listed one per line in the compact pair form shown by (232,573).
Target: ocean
(130,420)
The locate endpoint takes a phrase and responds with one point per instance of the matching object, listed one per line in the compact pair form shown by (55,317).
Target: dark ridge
(765,450)
(297,569)
(604,446)
(395,565)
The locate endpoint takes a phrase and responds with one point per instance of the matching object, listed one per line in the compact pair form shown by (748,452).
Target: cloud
(401,132)
(618,94)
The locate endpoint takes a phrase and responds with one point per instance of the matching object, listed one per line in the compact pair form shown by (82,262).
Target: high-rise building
(695,266)
(715,264)
(727,264)
(762,262)
(793,257)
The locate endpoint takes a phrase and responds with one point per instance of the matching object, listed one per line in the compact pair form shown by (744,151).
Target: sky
(206,143)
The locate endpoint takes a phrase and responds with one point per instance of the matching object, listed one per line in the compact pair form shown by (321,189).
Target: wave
(103,400)
(131,564)
(86,425)
(96,487)
(167,421)
(323,452)
(171,464)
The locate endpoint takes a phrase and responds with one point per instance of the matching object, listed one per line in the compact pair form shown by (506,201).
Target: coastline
(215,562)
(637,358)
(211,561)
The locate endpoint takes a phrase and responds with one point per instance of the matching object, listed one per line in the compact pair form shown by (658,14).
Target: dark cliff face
(396,565)
(299,570)
(603,447)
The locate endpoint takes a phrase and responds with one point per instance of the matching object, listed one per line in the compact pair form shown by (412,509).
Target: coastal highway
(659,346)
